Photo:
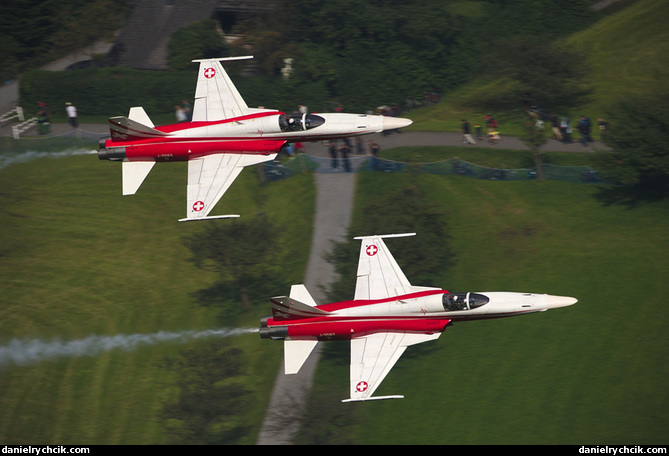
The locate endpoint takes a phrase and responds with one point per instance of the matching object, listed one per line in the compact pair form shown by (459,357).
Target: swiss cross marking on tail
(209,73)
(372,250)
(198,206)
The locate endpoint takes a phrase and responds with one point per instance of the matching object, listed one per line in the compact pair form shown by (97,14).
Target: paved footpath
(334,203)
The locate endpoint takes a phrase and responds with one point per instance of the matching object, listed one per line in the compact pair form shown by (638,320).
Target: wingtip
(211,217)
(373,398)
(224,59)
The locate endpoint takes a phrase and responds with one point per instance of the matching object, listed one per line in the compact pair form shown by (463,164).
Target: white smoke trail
(30,155)
(24,352)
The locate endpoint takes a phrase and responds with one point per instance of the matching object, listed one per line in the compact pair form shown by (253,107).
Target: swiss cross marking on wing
(361,386)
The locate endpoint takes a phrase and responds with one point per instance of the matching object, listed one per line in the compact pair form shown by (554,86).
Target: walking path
(334,203)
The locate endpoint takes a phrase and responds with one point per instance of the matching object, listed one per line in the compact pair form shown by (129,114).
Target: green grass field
(593,373)
(78,259)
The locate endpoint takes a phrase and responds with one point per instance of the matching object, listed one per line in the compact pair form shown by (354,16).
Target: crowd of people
(561,127)
(340,153)
(491,127)
(43,117)
(563,131)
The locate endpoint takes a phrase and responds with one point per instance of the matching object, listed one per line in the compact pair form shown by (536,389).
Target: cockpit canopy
(299,122)
(463,301)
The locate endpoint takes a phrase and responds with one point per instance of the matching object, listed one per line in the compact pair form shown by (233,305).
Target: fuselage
(261,132)
(422,312)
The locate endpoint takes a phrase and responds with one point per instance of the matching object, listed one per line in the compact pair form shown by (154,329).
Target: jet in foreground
(386,315)
(223,137)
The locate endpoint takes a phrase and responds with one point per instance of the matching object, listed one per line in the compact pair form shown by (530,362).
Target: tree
(534,137)
(243,252)
(637,131)
(211,397)
(423,258)
(32,31)
(530,72)
(382,54)
(200,40)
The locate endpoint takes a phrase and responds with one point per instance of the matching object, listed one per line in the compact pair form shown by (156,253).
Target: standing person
(466,133)
(565,128)
(359,145)
(477,129)
(584,130)
(345,150)
(555,126)
(332,148)
(72,114)
(602,127)
(43,119)
(493,123)
(188,112)
(374,152)
(180,114)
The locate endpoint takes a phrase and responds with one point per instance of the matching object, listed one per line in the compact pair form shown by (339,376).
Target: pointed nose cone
(393,123)
(554,302)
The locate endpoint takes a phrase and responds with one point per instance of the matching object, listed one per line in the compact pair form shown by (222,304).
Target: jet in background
(223,137)
(386,315)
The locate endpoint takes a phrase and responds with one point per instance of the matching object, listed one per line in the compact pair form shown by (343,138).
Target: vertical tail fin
(216,97)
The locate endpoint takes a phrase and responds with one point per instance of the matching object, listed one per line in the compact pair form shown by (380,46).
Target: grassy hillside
(626,54)
(78,259)
(588,374)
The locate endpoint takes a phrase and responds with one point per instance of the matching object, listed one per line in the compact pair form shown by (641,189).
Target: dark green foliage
(242,251)
(422,258)
(381,54)
(107,91)
(32,31)
(211,396)
(534,73)
(388,52)
(195,41)
(637,130)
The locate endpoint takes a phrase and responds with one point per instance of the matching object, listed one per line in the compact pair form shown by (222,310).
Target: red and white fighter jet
(224,136)
(386,315)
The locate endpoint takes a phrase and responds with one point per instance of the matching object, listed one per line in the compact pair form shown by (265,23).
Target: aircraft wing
(209,177)
(372,358)
(379,275)
(216,97)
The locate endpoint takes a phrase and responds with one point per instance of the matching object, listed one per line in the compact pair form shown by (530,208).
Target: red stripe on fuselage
(346,328)
(332,307)
(203,123)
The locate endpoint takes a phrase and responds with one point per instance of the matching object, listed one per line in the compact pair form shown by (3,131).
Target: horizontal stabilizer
(134,174)
(124,129)
(295,353)
(285,308)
